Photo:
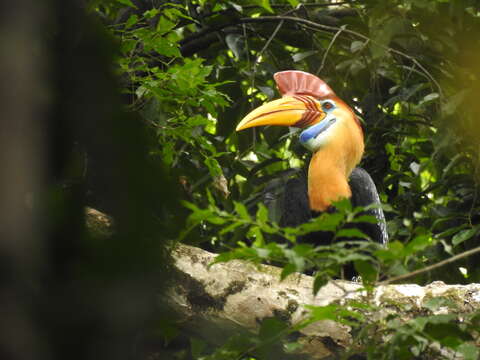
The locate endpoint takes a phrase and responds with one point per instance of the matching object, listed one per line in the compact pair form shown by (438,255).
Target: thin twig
(431,267)
(255,63)
(281,6)
(273,6)
(259,55)
(317,26)
(347,31)
(324,58)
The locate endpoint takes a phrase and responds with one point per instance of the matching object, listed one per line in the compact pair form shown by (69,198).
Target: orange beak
(298,111)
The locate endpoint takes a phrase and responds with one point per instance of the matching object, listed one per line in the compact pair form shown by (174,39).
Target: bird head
(307,103)
(330,130)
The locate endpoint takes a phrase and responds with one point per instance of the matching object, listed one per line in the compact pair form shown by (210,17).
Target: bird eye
(327,105)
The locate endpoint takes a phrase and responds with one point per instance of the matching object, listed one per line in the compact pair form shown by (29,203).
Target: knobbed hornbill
(332,132)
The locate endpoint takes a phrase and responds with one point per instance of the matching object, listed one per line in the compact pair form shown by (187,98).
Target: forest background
(142,99)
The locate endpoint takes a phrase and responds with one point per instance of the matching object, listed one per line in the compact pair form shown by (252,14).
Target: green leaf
(344,205)
(450,231)
(419,243)
(216,220)
(126,47)
(236,6)
(300,56)
(442,318)
(236,43)
(127,2)
(211,200)
(213,167)
(197,346)
(241,210)
(173,13)
(429,98)
(262,253)
(271,328)
(269,229)
(291,347)
(303,249)
(435,303)
(165,47)
(447,333)
(262,213)
(395,251)
(264,4)
(383,34)
(198,214)
(356,45)
(230,228)
(132,20)
(469,351)
(270,94)
(150,14)
(294,258)
(367,271)
(464,235)
(419,323)
(351,256)
(197,120)
(164,25)
(257,234)
(351,233)
(243,253)
(325,222)
(321,279)
(190,205)
(318,313)
(287,270)
(332,312)
(365,219)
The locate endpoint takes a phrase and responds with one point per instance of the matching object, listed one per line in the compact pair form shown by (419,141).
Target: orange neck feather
(330,167)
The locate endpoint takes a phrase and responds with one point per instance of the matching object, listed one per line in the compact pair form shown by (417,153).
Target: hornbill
(332,132)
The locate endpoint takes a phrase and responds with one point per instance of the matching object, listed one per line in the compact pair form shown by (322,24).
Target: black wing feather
(296,209)
(364,193)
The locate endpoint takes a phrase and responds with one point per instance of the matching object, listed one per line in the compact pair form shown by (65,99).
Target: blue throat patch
(314,130)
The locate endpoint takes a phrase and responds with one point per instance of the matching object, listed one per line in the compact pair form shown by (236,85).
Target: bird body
(332,132)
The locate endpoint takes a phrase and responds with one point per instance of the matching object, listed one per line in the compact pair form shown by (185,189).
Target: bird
(331,131)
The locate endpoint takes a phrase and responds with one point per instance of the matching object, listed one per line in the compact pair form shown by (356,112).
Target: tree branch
(227,299)
(431,267)
(317,26)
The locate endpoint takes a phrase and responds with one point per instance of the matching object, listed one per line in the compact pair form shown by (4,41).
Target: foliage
(193,69)
(293,255)
(425,336)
